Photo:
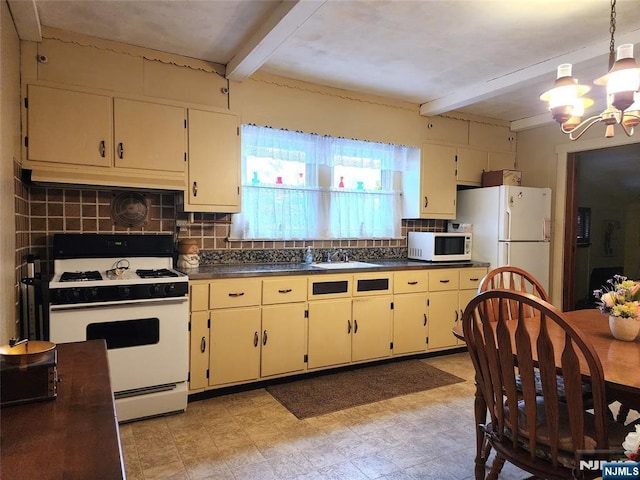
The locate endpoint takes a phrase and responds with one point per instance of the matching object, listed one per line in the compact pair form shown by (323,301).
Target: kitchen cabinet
(235,333)
(438,182)
(199,336)
(372,328)
(284,328)
(330,328)
(449,292)
(214,162)
(81,137)
(69,127)
(410,311)
(501,161)
(149,136)
(470,163)
(330,321)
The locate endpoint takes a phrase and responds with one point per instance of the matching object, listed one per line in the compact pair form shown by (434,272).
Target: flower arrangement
(621,299)
(631,445)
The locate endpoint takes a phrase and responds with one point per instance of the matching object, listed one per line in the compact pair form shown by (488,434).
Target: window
(584,227)
(305,186)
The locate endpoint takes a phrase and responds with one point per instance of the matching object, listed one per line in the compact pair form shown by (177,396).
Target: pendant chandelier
(567,102)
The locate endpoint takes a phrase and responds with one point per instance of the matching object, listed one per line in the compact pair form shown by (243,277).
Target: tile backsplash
(42,211)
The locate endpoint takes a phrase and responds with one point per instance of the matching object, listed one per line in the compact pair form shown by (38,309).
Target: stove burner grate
(159,273)
(91,275)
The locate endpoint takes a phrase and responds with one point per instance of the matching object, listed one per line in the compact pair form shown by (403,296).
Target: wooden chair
(538,433)
(513,278)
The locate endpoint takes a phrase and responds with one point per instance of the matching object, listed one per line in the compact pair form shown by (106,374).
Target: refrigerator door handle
(507,249)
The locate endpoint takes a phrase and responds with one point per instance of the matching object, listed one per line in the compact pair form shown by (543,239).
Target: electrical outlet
(182,223)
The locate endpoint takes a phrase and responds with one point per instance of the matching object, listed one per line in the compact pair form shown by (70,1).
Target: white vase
(626,329)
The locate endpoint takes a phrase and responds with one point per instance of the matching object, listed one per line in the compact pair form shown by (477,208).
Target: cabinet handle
(102,149)
(264,337)
(120,150)
(425,320)
(426,201)
(194,189)
(203,345)
(461,313)
(456,316)
(444,281)
(474,279)
(412,283)
(286,290)
(239,294)
(348,326)
(255,339)
(355,326)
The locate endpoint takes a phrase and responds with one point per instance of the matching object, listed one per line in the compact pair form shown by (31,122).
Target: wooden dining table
(620,359)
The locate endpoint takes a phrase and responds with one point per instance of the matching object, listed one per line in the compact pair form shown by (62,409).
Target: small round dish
(27,352)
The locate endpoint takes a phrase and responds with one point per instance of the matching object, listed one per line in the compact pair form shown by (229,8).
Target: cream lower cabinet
(330,328)
(235,345)
(199,327)
(443,308)
(372,328)
(410,312)
(470,279)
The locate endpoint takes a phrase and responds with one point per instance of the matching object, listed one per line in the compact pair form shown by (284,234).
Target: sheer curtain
(288,192)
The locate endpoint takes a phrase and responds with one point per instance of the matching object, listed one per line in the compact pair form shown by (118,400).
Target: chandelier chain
(612,30)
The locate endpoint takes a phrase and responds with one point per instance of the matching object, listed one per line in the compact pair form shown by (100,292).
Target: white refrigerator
(511,226)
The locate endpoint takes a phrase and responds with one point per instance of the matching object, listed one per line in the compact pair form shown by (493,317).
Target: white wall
(9,152)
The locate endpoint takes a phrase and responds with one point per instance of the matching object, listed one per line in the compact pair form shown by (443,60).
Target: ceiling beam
(283,22)
(519,79)
(26,19)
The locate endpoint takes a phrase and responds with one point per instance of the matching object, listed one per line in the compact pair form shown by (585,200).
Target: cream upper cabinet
(214,162)
(69,127)
(149,136)
(501,161)
(438,182)
(470,163)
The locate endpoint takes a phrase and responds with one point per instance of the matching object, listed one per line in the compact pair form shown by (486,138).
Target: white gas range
(123,289)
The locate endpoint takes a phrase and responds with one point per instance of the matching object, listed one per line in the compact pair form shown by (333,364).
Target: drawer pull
(444,281)
(203,345)
(236,294)
(264,337)
(474,279)
(412,283)
(255,339)
(286,290)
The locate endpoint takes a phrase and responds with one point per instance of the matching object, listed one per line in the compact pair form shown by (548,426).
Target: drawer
(374,283)
(329,286)
(237,292)
(470,278)
(443,279)
(199,296)
(411,281)
(284,290)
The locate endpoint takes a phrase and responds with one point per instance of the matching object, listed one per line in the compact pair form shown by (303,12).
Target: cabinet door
(502,161)
(409,323)
(199,296)
(330,329)
(283,339)
(214,162)
(470,164)
(149,136)
(464,297)
(199,350)
(235,345)
(69,127)
(438,182)
(443,316)
(372,319)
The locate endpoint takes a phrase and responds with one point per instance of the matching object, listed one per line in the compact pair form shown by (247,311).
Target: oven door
(147,341)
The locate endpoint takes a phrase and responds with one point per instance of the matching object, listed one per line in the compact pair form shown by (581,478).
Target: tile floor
(250,436)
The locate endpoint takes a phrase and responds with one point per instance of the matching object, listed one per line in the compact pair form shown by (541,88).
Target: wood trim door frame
(570,234)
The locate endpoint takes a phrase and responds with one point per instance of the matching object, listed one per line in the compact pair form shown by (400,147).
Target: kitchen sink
(339,265)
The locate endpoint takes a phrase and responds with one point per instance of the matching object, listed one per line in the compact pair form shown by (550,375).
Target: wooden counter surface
(74,436)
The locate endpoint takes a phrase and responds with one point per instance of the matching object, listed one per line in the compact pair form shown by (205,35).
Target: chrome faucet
(337,253)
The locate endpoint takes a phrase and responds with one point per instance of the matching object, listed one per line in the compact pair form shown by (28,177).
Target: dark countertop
(208,272)
(74,436)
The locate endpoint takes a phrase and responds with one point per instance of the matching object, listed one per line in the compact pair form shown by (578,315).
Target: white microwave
(439,246)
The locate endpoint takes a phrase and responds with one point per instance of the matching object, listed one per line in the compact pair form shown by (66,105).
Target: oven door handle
(120,303)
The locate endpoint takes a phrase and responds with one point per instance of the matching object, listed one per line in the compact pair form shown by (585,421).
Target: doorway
(602,229)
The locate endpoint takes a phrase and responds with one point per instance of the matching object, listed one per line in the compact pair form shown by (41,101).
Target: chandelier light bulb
(564,95)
